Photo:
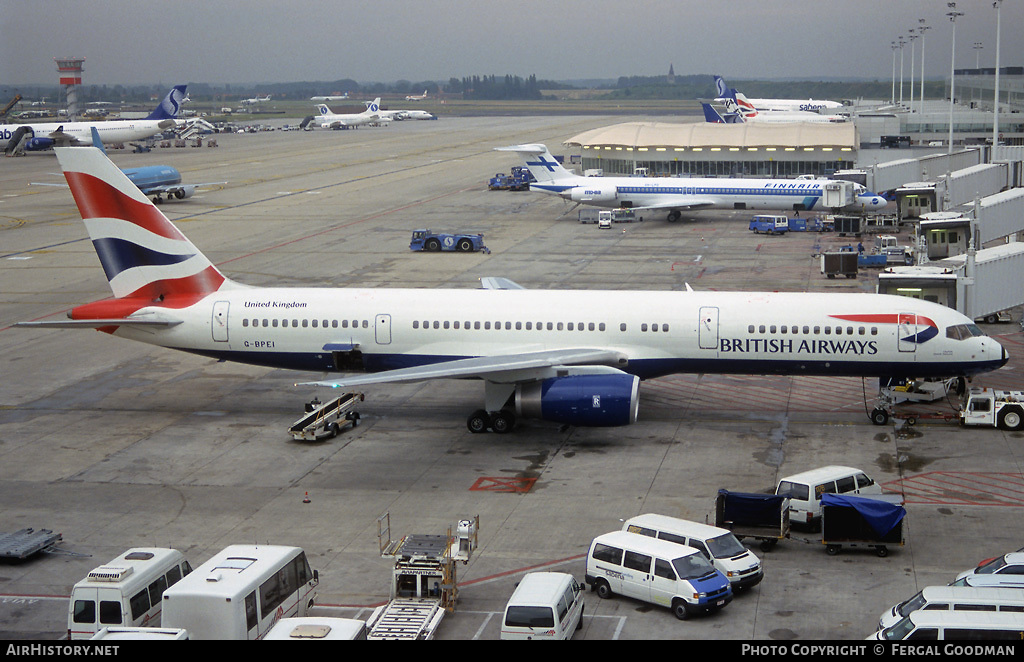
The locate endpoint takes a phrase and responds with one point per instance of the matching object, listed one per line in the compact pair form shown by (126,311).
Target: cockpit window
(963,331)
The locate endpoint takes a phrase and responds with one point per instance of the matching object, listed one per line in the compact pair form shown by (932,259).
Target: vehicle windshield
(899,631)
(693,566)
(913,604)
(725,546)
(795,490)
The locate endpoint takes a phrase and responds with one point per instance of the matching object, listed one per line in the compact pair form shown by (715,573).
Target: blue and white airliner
(568,356)
(35,136)
(676,195)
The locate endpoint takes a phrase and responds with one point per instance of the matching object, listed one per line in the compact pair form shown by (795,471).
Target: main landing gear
(501,421)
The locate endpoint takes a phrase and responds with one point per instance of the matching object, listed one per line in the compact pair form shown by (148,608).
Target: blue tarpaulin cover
(743,508)
(881,516)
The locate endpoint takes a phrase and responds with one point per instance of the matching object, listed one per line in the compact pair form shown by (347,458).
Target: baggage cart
(860,521)
(763,517)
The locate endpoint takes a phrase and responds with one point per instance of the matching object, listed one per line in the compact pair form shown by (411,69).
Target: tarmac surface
(115,444)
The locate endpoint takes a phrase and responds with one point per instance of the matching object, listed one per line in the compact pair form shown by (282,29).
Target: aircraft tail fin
(97,142)
(712,115)
(541,164)
(143,254)
(373,107)
(323,109)
(721,87)
(170,105)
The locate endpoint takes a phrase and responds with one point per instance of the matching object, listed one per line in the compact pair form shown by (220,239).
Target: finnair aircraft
(812,105)
(329,120)
(676,195)
(38,136)
(571,356)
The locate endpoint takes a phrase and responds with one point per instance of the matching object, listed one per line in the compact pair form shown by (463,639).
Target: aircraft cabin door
(382,329)
(707,327)
(906,332)
(219,323)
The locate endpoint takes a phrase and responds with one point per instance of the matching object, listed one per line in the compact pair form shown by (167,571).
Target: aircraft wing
(676,203)
(505,368)
(499,283)
(164,188)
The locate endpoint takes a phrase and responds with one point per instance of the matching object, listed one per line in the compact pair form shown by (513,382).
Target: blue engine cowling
(585,400)
(38,144)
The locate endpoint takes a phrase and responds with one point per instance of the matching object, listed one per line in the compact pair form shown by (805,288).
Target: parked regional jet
(417,97)
(329,120)
(255,100)
(678,195)
(812,105)
(572,356)
(38,136)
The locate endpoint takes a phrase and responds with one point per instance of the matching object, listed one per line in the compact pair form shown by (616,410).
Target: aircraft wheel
(478,421)
(879,416)
(674,216)
(503,421)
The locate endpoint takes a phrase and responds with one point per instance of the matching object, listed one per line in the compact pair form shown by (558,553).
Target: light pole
(902,44)
(977,54)
(922,29)
(952,14)
(893,98)
(912,38)
(998,4)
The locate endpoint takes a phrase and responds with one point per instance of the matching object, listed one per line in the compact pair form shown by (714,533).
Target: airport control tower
(70,69)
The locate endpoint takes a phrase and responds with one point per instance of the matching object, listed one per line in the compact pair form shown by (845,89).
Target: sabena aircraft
(568,356)
(676,195)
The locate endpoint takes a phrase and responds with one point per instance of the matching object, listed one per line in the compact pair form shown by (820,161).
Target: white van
(545,605)
(1007,564)
(990,581)
(124,592)
(739,565)
(656,571)
(805,490)
(956,598)
(961,625)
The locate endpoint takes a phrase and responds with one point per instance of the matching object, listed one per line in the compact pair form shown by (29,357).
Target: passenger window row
(508,326)
(807,330)
(305,323)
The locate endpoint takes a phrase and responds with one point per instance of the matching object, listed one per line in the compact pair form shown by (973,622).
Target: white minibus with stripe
(242,592)
(124,592)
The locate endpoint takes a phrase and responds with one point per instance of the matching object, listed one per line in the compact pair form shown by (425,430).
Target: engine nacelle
(594,192)
(38,144)
(183,192)
(602,400)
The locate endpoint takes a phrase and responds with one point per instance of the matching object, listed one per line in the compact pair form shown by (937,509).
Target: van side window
(139,604)
(863,481)
(795,490)
(608,554)
(563,607)
(846,484)
(637,561)
(974,608)
(85,611)
(825,488)
(935,606)
(671,537)
(700,547)
(156,590)
(251,619)
(110,612)
(930,634)
(173,576)
(664,570)
(633,528)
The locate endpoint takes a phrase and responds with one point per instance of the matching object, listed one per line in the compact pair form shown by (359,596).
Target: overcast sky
(247,41)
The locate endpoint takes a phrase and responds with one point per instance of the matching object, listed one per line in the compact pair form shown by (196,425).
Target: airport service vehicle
(955,625)
(740,566)
(675,195)
(124,592)
(317,628)
(839,263)
(955,598)
(769,224)
(242,592)
(874,521)
(424,584)
(763,517)
(545,605)
(1007,564)
(433,242)
(656,571)
(805,489)
(573,357)
(994,408)
(323,420)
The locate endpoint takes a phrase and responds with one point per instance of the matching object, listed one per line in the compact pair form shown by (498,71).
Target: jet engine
(183,192)
(601,400)
(595,192)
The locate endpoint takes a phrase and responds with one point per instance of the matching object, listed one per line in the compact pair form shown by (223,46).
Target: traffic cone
(306,499)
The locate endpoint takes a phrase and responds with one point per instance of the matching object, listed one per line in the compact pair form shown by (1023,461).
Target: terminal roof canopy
(652,135)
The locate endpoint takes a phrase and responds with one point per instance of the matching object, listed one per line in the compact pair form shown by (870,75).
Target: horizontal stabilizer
(499,283)
(100,323)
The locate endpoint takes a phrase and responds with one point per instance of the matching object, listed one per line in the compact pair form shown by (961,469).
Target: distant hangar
(704,149)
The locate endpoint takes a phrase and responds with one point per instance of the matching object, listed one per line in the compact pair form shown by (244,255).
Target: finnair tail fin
(543,166)
(143,254)
(171,104)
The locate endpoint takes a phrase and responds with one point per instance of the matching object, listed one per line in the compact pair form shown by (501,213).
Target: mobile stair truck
(763,517)
(423,582)
(860,521)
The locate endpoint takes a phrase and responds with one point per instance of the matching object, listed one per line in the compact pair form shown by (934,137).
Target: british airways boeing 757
(676,195)
(570,356)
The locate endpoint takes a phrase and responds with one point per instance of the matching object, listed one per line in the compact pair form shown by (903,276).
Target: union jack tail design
(143,254)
